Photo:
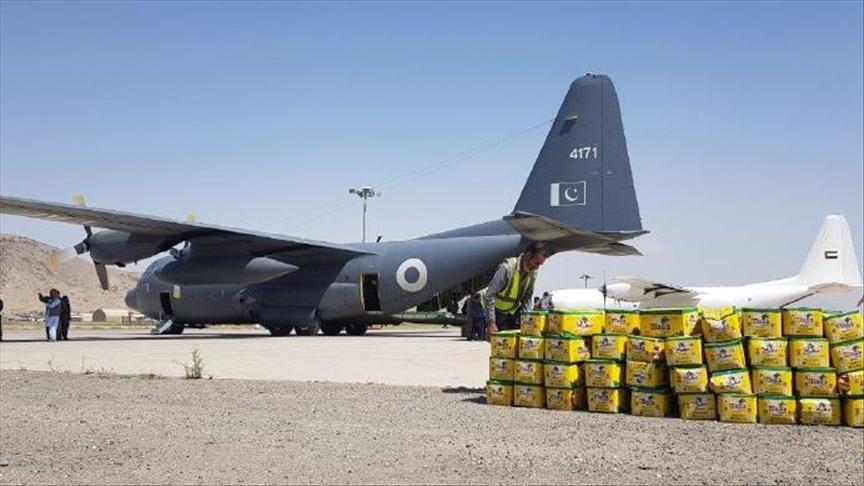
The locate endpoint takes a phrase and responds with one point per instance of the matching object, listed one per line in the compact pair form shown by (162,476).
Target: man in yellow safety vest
(512,287)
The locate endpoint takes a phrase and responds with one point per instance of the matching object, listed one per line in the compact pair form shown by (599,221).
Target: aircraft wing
(252,241)
(658,288)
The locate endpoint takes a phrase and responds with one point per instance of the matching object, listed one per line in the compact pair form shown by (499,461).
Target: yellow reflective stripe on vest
(507,300)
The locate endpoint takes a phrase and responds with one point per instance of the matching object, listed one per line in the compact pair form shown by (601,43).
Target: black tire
(176,329)
(356,329)
(330,329)
(280,331)
(309,330)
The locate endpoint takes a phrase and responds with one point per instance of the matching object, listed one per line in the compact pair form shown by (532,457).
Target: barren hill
(24,272)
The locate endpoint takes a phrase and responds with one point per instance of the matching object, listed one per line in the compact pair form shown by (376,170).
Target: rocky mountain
(25,271)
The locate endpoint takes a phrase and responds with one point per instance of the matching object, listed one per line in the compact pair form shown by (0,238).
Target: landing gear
(168,326)
(280,331)
(356,329)
(331,329)
(308,330)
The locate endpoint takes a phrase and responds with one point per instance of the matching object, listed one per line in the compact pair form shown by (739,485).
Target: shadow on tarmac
(141,337)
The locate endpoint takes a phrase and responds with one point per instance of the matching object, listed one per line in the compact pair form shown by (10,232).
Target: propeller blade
(102,273)
(79,200)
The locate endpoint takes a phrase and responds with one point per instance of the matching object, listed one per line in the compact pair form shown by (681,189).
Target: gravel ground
(69,428)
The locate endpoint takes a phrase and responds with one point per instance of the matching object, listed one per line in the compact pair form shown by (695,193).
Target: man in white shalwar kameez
(52,313)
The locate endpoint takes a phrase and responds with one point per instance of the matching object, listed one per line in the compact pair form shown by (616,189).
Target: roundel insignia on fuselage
(402,275)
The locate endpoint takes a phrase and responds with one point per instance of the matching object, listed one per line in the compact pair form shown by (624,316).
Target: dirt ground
(62,428)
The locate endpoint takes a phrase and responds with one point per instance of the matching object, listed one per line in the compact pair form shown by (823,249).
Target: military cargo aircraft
(579,196)
(829,268)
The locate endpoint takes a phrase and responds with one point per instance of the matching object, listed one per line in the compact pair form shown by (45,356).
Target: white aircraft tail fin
(831,264)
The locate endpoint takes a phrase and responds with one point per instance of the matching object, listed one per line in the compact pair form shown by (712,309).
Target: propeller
(62,256)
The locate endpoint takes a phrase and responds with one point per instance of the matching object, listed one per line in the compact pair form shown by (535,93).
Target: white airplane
(830,267)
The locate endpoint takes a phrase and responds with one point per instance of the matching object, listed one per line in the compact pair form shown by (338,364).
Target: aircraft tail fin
(582,176)
(831,264)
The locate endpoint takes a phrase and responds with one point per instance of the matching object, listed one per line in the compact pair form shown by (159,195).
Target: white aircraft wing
(238,239)
(656,289)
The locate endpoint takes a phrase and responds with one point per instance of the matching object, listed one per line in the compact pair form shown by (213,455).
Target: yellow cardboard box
(815,382)
(684,351)
(809,352)
(848,355)
(621,321)
(697,406)
(772,380)
(663,323)
(720,324)
(647,375)
(727,355)
(777,409)
(532,323)
(802,322)
(768,351)
(608,346)
(761,322)
(843,326)
(641,348)
(737,407)
(689,379)
(568,349)
(499,393)
(562,375)
(819,411)
(504,344)
(603,373)
(608,400)
(650,403)
(731,381)
(501,369)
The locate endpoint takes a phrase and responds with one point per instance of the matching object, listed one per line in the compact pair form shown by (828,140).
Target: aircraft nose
(132,298)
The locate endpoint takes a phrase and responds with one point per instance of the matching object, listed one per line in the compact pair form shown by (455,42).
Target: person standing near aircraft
(65,317)
(52,313)
(512,287)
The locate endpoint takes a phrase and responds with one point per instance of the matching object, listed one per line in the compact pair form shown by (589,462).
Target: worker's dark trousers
(505,321)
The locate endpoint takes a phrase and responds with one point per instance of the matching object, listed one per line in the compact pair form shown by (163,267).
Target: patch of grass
(195,369)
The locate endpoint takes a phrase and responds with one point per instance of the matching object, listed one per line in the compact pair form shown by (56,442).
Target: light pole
(365,193)
(585,277)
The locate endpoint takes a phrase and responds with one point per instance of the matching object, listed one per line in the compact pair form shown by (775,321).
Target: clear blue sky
(744,120)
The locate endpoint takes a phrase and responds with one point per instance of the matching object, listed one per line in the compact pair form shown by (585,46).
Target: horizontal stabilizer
(559,236)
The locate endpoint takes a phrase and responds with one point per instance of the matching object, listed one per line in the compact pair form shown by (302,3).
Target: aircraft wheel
(331,329)
(356,329)
(280,331)
(309,330)
(175,329)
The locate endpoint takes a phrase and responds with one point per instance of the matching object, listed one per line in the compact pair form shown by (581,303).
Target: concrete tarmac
(390,356)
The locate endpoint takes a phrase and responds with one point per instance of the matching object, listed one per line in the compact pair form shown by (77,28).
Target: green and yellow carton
(532,323)
(663,323)
(737,408)
(819,410)
(843,326)
(621,322)
(697,406)
(499,393)
(649,402)
(762,322)
(803,321)
(608,346)
(772,380)
(777,409)
(569,349)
